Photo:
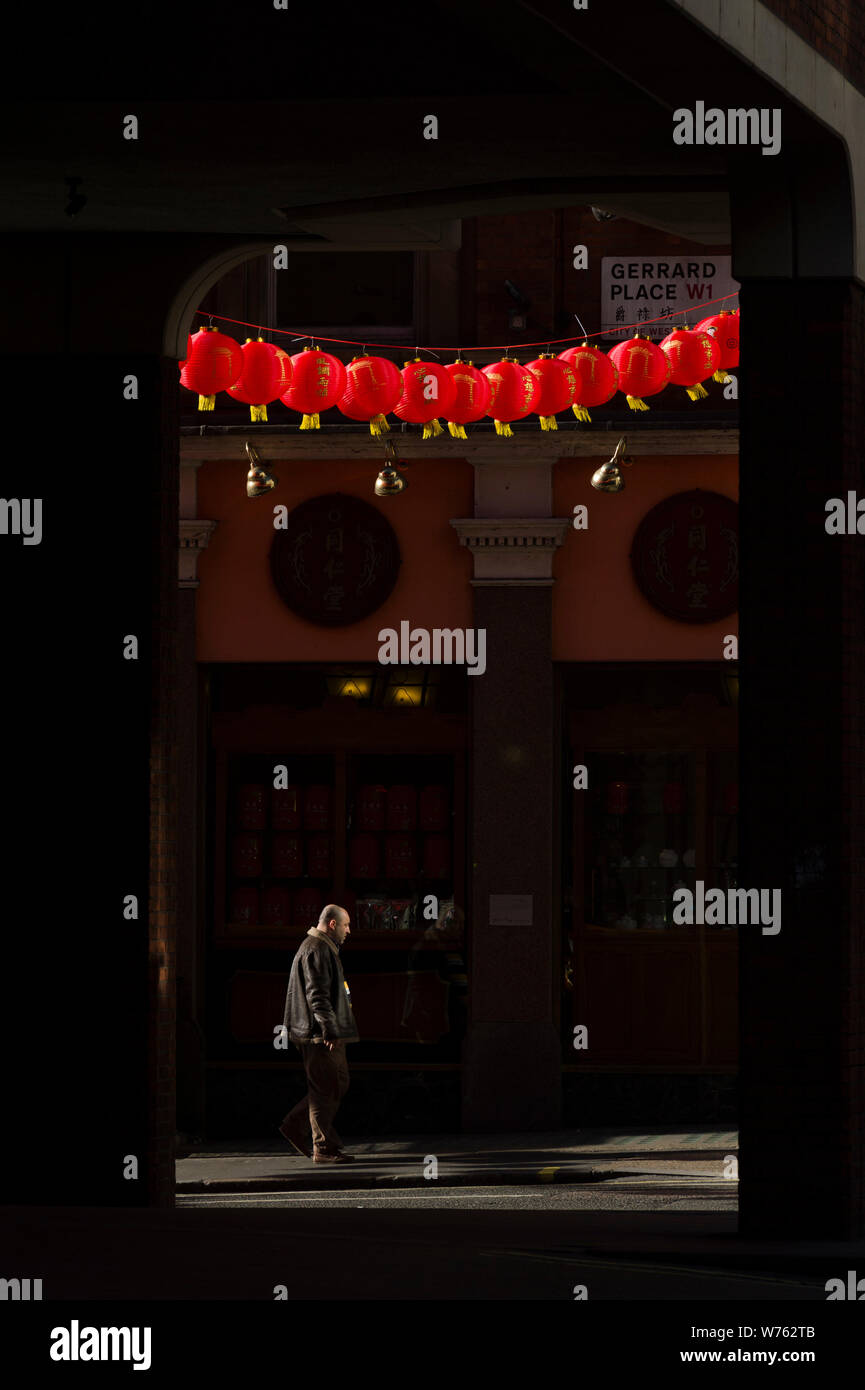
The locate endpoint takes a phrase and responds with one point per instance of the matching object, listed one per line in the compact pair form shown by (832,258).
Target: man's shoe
(338,1157)
(295,1140)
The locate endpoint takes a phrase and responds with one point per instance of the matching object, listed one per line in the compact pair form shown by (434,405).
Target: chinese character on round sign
(685,557)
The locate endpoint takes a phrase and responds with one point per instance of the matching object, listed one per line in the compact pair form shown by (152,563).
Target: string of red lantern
(369,387)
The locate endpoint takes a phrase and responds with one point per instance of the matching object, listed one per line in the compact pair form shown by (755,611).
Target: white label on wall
(635,289)
(511,909)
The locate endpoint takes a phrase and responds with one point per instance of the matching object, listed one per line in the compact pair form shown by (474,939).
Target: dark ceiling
(308,122)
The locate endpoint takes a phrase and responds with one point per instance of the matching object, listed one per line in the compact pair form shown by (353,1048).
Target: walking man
(320,1021)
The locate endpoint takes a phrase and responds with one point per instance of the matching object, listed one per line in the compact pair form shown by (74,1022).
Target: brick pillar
(802,705)
(512,1053)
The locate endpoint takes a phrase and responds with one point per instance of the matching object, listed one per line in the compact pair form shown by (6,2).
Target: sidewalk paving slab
(571,1156)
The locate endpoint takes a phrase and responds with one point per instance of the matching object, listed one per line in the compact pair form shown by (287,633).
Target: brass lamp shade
(608,478)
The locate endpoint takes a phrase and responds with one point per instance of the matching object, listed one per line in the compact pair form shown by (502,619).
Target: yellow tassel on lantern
(258,412)
(457,430)
(206,402)
(581,413)
(548,422)
(379,425)
(636,404)
(311,422)
(431,429)
(502,427)
(720,375)
(697,393)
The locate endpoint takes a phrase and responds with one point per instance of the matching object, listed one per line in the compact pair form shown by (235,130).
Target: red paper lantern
(692,357)
(597,378)
(213,362)
(725,329)
(427,392)
(265,375)
(472,396)
(514,393)
(372,388)
(643,369)
(317,382)
(558,385)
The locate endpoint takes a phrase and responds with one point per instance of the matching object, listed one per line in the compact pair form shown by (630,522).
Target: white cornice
(516,551)
(194,537)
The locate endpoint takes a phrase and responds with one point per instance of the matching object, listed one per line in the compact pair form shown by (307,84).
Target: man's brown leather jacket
(318,1003)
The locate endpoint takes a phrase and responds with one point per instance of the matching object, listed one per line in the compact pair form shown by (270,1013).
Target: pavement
(666,1154)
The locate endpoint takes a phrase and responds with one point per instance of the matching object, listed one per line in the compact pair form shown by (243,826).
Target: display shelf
(664,993)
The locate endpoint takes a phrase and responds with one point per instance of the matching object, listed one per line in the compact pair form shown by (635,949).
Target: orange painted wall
(240,616)
(599,613)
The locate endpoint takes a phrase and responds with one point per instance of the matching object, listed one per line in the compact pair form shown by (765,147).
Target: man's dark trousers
(327,1083)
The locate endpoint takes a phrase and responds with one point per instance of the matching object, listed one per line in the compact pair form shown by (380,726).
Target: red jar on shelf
(400,856)
(287,856)
(285,808)
(318,856)
(401,808)
(306,907)
(434,808)
(364,857)
(245,910)
(316,808)
(276,906)
(370,808)
(252,806)
(246,856)
(437,856)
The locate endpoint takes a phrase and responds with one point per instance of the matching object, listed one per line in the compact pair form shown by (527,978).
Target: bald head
(335,923)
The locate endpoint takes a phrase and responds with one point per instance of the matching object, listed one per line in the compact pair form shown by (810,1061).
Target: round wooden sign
(685,556)
(336,561)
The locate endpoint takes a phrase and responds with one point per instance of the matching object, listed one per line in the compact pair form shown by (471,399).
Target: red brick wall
(836,28)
